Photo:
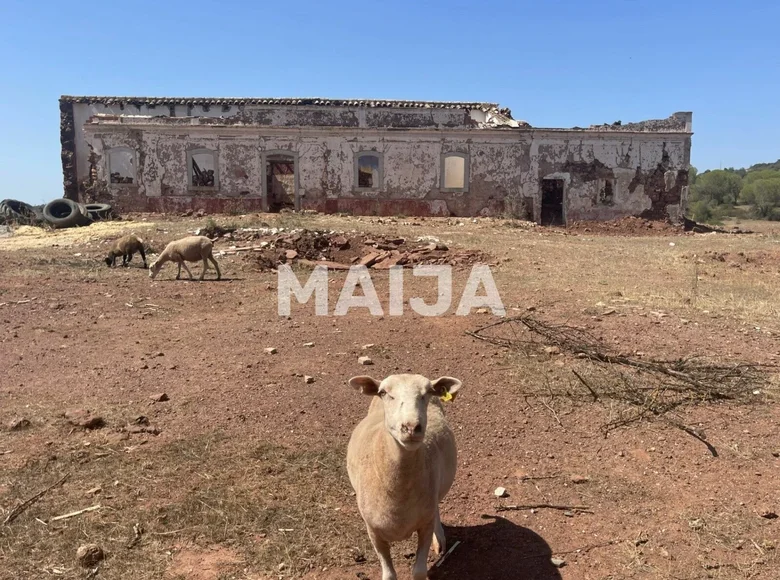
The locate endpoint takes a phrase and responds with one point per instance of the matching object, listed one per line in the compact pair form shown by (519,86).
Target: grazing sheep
(401,461)
(125,247)
(189,249)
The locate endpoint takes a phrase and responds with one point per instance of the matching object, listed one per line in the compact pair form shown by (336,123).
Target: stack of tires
(65,213)
(60,213)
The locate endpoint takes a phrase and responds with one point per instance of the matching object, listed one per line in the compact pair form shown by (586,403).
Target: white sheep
(189,249)
(401,461)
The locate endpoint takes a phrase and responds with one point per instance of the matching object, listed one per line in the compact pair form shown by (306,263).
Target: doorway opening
(280,182)
(552,202)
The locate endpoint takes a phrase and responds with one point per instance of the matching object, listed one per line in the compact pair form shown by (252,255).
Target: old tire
(65,213)
(13,207)
(99,211)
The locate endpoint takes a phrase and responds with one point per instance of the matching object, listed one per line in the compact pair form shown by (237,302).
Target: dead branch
(554,414)
(74,514)
(537,477)
(17,511)
(537,506)
(649,389)
(137,532)
(444,557)
(587,386)
(588,548)
(695,434)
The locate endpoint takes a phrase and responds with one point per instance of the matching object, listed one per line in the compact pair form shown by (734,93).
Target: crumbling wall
(83,111)
(645,173)
(70,176)
(240,172)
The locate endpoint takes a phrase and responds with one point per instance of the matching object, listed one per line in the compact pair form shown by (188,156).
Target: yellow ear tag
(446,396)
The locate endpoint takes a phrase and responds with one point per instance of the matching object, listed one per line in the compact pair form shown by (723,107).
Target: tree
(761,166)
(692,173)
(760,174)
(719,186)
(764,195)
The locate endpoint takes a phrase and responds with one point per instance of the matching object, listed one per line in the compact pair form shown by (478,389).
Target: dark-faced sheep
(125,247)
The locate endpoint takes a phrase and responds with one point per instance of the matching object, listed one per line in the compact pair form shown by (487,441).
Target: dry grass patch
(274,509)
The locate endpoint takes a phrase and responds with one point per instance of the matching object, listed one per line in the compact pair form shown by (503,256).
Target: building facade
(368,158)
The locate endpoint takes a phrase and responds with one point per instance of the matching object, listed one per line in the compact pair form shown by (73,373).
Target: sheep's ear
(365,385)
(444,385)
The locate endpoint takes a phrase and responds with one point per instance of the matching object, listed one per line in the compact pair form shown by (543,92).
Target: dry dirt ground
(240,472)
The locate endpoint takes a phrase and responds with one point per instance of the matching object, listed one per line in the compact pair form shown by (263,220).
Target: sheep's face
(405,401)
(108,260)
(154,268)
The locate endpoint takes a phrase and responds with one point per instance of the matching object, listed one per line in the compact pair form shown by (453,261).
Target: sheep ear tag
(447,396)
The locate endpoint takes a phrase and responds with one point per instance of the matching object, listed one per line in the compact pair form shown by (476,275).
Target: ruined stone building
(368,158)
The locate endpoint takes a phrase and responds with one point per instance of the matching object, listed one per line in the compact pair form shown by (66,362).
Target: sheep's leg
(182,263)
(203,270)
(382,550)
(143,257)
(424,539)
(178,272)
(216,267)
(439,541)
(124,260)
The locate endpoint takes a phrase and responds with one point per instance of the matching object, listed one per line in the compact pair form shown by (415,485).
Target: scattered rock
(141,420)
(552,350)
(500,492)
(337,250)
(340,242)
(308,380)
(558,562)
(94,491)
(160,397)
(365,361)
(369,259)
(580,479)
(769,515)
(775,453)
(309,344)
(270,350)
(19,424)
(367,346)
(84,419)
(89,554)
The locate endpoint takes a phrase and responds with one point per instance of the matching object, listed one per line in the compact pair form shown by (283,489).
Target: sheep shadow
(495,551)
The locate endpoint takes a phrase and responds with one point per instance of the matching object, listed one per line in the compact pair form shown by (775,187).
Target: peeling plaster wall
(82,112)
(633,161)
(506,167)
(271,116)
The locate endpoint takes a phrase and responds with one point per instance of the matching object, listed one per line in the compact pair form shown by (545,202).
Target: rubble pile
(267,248)
(627,226)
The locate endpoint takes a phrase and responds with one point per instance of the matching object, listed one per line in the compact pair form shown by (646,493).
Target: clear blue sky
(554,63)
